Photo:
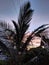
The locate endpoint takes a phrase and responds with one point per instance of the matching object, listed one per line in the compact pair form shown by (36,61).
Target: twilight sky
(9,10)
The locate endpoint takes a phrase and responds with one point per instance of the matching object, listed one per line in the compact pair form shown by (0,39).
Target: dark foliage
(20,55)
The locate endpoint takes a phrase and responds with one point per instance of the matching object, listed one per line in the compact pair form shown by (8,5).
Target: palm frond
(35,32)
(16,28)
(39,28)
(23,21)
(40,31)
(17,35)
(24,18)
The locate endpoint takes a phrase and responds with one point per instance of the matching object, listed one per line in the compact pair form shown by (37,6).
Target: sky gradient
(9,10)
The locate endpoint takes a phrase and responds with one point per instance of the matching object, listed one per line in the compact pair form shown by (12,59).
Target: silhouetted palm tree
(19,54)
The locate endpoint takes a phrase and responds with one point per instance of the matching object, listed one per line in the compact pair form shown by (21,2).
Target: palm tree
(19,54)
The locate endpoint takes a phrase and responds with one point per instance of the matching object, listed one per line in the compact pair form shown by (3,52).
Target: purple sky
(9,10)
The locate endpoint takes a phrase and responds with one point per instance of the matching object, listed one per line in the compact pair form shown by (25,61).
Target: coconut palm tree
(19,53)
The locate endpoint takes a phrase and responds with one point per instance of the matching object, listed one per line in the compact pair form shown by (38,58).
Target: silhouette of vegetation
(18,52)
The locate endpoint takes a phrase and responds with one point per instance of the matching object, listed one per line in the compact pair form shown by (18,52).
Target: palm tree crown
(19,52)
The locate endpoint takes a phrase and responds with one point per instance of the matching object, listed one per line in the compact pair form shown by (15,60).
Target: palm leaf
(23,22)
(40,31)
(42,26)
(17,35)
(24,18)
(16,29)
(36,32)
